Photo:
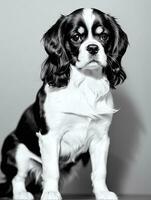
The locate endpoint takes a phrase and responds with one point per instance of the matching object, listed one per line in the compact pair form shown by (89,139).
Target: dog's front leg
(98,154)
(50,147)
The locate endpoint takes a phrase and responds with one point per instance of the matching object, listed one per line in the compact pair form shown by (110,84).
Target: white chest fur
(78,112)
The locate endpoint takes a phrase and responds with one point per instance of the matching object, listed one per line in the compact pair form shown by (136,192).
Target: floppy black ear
(56,68)
(114,70)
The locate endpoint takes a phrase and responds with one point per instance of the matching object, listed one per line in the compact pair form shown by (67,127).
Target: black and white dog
(73,109)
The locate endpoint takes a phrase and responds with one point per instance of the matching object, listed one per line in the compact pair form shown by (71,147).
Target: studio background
(22,25)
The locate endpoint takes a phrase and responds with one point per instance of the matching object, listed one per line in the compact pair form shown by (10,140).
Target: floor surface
(78,197)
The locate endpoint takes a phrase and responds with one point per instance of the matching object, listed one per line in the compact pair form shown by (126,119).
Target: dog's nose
(92,49)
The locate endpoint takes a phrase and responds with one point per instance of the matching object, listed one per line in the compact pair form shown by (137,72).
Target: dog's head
(87,39)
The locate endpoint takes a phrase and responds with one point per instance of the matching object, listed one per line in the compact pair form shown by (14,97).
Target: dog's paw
(50,195)
(106,195)
(24,195)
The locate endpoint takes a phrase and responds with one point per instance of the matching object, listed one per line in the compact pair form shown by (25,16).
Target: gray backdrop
(22,24)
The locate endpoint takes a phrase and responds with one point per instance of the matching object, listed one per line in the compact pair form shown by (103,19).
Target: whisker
(114,60)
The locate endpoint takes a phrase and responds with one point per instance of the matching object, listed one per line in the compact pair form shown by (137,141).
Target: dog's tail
(6,189)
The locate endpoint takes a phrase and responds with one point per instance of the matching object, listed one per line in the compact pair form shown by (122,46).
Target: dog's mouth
(92,64)
(93,61)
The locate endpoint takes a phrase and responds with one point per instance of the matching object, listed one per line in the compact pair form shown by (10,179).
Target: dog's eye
(76,38)
(104,37)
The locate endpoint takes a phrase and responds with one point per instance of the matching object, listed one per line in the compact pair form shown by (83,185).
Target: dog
(73,109)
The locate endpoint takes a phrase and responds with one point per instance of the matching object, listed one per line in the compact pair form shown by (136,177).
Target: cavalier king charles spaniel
(73,110)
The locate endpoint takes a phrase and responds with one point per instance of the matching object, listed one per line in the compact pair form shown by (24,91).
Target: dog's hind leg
(24,164)
(18,182)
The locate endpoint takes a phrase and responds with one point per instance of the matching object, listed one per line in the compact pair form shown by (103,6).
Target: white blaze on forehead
(88,17)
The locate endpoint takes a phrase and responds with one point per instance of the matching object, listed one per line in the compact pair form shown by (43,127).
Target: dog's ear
(114,70)
(56,68)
